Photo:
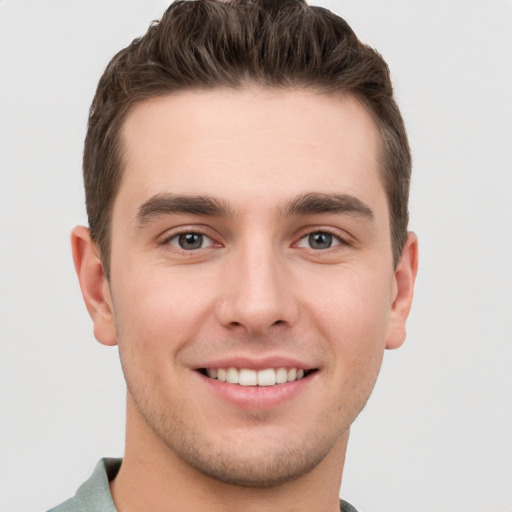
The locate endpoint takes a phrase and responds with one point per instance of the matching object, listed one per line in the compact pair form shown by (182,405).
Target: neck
(152,477)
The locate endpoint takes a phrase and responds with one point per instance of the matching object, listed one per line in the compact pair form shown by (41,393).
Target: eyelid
(337,241)
(207,241)
(342,237)
(172,233)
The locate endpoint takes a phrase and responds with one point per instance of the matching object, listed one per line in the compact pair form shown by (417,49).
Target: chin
(259,468)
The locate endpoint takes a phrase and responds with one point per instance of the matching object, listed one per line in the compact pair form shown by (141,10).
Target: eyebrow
(305,204)
(318,203)
(167,204)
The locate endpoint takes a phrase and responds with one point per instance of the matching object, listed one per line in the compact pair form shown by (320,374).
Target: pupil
(320,240)
(191,241)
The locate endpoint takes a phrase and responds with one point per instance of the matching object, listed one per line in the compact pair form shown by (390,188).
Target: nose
(257,292)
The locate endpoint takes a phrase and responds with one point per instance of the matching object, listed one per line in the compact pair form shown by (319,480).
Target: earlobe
(94,285)
(404,278)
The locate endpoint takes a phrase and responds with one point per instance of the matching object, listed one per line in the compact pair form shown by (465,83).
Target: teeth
(281,376)
(232,376)
(267,377)
(248,377)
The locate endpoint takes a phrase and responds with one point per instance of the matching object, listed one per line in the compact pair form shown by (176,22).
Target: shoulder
(94,494)
(345,506)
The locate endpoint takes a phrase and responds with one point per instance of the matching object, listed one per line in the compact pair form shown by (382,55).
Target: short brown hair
(204,44)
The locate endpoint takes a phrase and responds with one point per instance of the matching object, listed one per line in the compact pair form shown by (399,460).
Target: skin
(256,289)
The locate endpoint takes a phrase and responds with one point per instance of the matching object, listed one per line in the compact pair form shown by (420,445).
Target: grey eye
(320,240)
(190,241)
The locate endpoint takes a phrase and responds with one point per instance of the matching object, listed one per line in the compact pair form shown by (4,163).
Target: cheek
(352,311)
(159,309)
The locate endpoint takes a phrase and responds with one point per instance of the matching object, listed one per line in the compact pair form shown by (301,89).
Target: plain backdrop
(437,434)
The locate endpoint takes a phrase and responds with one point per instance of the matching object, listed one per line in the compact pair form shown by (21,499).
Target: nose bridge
(257,295)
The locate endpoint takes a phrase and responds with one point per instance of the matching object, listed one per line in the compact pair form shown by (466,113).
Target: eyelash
(336,239)
(167,241)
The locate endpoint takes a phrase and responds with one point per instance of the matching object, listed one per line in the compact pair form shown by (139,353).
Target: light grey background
(437,434)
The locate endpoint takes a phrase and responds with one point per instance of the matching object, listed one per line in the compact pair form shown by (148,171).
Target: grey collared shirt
(94,494)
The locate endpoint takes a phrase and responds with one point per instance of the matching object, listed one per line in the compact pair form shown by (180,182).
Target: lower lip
(258,397)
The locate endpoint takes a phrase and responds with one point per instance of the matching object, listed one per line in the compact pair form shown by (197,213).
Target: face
(252,287)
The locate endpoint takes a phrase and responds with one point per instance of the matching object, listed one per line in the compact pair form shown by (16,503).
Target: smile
(250,377)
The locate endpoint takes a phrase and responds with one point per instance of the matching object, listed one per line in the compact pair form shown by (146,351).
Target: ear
(94,285)
(404,278)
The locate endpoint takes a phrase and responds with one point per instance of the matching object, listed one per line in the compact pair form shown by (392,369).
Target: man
(246,172)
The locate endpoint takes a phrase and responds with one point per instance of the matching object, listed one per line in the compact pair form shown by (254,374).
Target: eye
(190,241)
(319,240)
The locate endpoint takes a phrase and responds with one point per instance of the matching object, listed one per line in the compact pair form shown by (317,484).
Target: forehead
(255,145)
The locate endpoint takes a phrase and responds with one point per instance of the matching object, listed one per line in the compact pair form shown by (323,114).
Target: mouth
(256,378)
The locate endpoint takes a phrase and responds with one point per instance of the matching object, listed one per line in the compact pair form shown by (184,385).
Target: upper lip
(256,363)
